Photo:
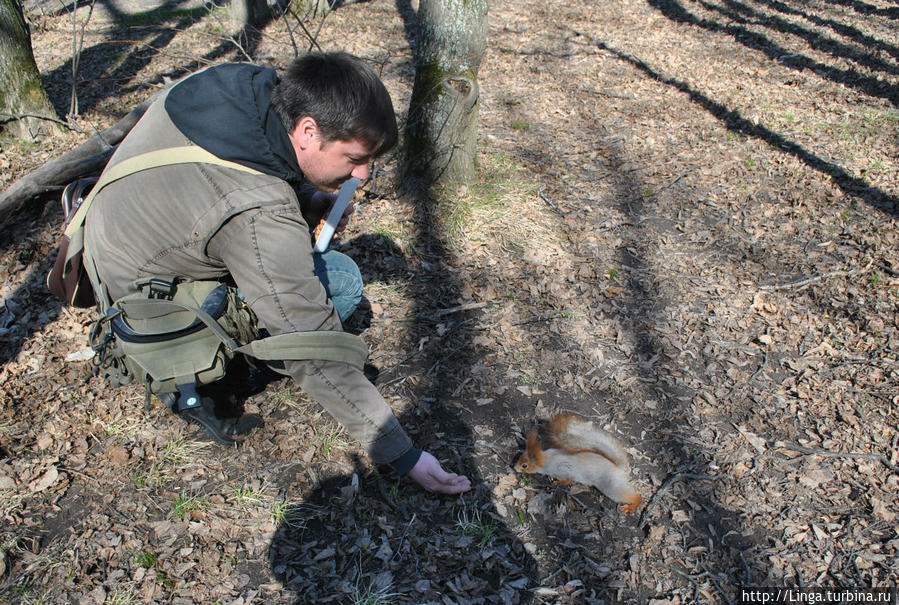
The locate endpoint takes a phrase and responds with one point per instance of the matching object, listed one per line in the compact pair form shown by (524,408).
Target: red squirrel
(574,449)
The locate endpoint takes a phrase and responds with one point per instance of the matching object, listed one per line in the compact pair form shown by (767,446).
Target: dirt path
(685,229)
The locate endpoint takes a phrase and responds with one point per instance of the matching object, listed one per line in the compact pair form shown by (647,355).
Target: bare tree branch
(88,158)
(9,117)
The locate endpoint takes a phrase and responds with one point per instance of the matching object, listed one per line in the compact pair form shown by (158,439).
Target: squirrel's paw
(633,501)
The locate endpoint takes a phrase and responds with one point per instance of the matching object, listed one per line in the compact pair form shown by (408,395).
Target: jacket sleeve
(269,255)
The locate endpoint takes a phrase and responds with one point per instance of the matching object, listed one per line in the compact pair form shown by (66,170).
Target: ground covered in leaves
(685,228)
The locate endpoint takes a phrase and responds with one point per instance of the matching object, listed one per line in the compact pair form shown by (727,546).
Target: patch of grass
(750,163)
(247,495)
(165,580)
(373,596)
(389,234)
(612,273)
(184,505)
(287,398)
(123,596)
(502,203)
(333,441)
(280,512)
(120,427)
(176,451)
(146,559)
(152,477)
(520,125)
(475,526)
(381,291)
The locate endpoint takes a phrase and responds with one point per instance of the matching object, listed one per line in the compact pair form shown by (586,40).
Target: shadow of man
(360,533)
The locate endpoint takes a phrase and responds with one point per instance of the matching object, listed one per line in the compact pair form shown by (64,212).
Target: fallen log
(88,158)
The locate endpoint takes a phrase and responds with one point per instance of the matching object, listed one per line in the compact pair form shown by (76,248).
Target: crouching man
(281,145)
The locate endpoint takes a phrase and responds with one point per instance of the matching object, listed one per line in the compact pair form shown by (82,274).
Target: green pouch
(173,333)
(176,334)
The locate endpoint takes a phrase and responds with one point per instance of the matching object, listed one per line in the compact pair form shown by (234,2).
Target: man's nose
(360,171)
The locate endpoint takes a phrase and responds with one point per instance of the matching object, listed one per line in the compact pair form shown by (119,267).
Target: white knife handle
(343,199)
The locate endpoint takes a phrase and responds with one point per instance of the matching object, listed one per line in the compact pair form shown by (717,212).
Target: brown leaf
(881,511)
(46,480)
(117,455)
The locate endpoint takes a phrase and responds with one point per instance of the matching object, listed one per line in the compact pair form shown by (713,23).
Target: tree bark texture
(21,90)
(87,159)
(247,13)
(441,129)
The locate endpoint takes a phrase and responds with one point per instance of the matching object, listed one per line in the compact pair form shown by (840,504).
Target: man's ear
(305,133)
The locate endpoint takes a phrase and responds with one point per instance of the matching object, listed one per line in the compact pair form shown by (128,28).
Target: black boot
(226,431)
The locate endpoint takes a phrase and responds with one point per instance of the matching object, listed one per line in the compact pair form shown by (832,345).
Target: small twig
(612,95)
(692,577)
(459,309)
(437,315)
(9,117)
(403,537)
(813,451)
(377,168)
(666,486)
(550,203)
(314,38)
(674,182)
(811,280)
(293,42)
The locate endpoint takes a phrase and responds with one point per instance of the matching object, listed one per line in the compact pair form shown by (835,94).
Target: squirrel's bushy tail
(578,434)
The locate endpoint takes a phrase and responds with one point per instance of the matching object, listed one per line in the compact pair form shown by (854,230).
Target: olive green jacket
(207,221)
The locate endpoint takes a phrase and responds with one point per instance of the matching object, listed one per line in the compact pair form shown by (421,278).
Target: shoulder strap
(187,154)
(294,346)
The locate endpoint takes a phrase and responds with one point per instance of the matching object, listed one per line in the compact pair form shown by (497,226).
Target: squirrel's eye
(524,465)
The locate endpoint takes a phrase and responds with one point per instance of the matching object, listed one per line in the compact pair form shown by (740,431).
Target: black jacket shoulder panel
(226,109)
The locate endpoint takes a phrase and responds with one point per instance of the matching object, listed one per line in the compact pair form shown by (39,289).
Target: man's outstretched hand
(428,473)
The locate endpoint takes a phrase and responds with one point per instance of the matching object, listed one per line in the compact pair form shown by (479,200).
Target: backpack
(174,334)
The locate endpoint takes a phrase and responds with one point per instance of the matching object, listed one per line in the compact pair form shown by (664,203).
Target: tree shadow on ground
(869,85)
(103,70)
(734,122)
(868,9)
(111,73)
(841,28)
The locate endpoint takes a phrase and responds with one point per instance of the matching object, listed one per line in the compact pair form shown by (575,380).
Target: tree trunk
(312,8)
(441,130)
(246,13)
(21,90)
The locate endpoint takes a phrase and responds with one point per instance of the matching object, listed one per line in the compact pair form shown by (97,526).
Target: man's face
(327,164)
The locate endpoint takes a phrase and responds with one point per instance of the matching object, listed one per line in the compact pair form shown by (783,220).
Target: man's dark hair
(344,96)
